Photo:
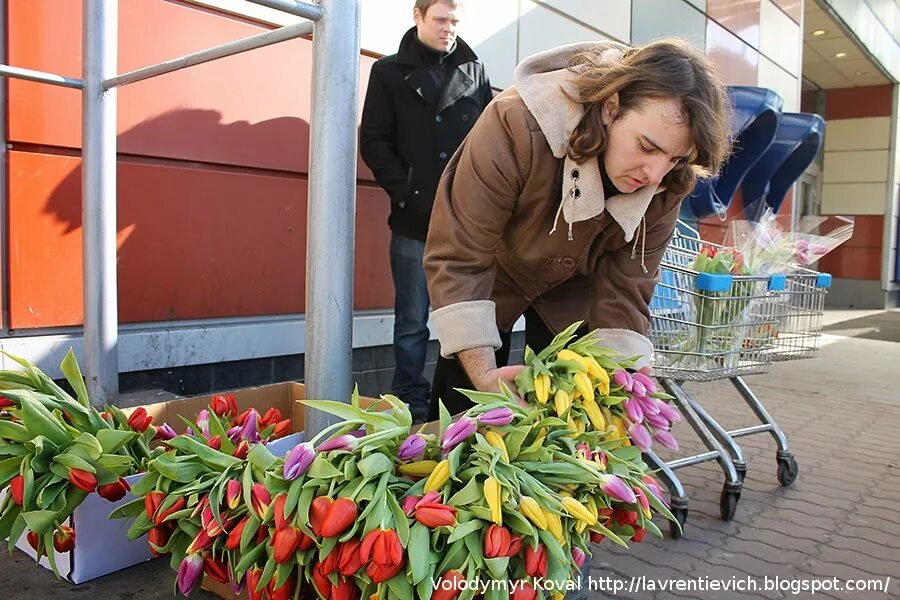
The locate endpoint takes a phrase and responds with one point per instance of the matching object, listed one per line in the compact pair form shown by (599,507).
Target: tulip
(200,506)
(320,580)
(237,587)
(285,592)
(260,500)
(158,538)
(152,502)
(203,422)
(600,457)
(249,430)
(498,542)
(616,489)
(345,590)
(638,536)
(201,542)
(34,540)
(412,448)
(523,591)
(640,436)
(349,560)
(17,489)
(647,382)
(64,539)
(212,527)
(298,460)
(233,490)
(533,511)
(317,512)
(666,439)
(139,420)
(234,434)
(114,491)
(492,495)
(6,402)
(254,576)
(458,432)
(282,428)
(597,537)
(270,417)
(83,480)
(285,541)
(281,520)
(429,498)
(536,561)
(579,556)
(165,432)
(216,569)
(340,516)
(633,410)
(637,388)
(224,405)
(657,421)
(449,586)
(234,536)
(241,449)
(215,442)
(649,405)
(439,476)
(624,516)
(409,505)
(497,417)
(643,501)
(189,573)
(382,552)
(669,412)
(163,513)
(624,379)
(435,514)
(341,442)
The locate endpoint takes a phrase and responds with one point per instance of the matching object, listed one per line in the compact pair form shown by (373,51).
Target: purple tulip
(189,572)
(361,432)
(203,422)
(412,448)
(341,442)
(497,416)
(190,431)
(616,489)
(458,432)
(658,422)
(647,382)
(298,460)
(638,389)
(238,587)
(669,412)
(165,432)
(578,556)
(640,436)
(666,439)
(624,379)
(634,411)
(249,429)
(234,434)
(648,404)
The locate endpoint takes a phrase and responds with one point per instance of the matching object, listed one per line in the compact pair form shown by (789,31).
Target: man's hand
(490,381)
(481,367)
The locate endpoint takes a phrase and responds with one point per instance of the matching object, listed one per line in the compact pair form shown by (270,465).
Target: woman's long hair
(665,69)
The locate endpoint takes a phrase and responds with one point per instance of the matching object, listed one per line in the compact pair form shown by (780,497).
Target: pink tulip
(616,489)
(666,439)
(623,378)
(640,436)
(634,411)
(189,573)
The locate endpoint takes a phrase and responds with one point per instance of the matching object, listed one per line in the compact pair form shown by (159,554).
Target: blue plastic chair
(797,142)
(754,122)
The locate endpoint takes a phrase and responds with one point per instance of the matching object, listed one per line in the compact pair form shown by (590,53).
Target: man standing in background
(420,105)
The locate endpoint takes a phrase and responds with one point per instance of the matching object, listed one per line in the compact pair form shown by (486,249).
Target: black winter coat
(409,134)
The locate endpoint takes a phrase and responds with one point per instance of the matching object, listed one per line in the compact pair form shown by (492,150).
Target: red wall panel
(193,243)
(859,102)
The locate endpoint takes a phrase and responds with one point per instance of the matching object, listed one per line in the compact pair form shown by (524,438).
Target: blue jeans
(410,324)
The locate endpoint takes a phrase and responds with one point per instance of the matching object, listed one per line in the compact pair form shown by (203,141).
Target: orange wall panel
(853,263)
(193,243)
(251,109)
(859,102)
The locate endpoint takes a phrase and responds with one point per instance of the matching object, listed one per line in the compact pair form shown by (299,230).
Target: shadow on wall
(197,239)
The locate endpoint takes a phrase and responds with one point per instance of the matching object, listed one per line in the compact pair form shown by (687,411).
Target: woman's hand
(490,380)
(481,367)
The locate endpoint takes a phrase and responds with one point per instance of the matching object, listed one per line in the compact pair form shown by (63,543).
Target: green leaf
(419,538)
(470,493)
(112,440)
(41,421)
(249,558)
(15,531)
(90,444)
(497,567)
(399,587)
(374,465)
(249,532)
(463,529)
(261,457)
(50,492)
(346,412)
(14,431)
(184,472)
(454,557)
(145,484)
(209,456)
(39,520)
(69,368)
(70,461)
(401,522)
(9,468)
(321,468)
(51,555)
(116,462)
(129,510)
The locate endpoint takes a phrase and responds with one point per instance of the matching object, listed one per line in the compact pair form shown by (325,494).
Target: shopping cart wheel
(787,469)
(728,502)
(679,510)
(741,471)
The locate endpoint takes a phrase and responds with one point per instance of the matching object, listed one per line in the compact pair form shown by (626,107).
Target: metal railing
(332,184)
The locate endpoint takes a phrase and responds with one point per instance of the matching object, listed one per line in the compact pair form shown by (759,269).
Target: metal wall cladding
(212,173)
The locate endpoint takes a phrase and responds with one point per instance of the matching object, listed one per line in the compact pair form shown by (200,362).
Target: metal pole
(98,188)
(40,76)
(236,47)
(293,7)
(332,208)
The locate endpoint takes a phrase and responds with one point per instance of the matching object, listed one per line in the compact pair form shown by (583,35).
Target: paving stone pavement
(840,519)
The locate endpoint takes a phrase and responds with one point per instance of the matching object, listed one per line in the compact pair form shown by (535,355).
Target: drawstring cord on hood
(643,235)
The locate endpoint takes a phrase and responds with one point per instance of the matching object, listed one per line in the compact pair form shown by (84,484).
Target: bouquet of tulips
(56,449)
(501,502)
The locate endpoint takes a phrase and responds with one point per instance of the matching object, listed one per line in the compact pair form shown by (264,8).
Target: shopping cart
(709,327)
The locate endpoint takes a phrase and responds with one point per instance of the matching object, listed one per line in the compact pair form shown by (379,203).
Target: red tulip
(349,559)
(64,539)
(201,542)
(6,402)
(285,592)
(164,513)
(158,538)
(382,551)
(200,506)
(233,491)
(34,540)
(639,533)
(281,520)
(271,416)
(241,449)
(449,585)
(497,540)
(254,576)
(260,498)
(285,541)
(114,491)
(234,536)
(536,561)
(224,405)
(306,542)
(152,502)
(321,581)
(317,511)
(345,590)
(239,420)
(139,420)
(282,428)
(216,569)
(435,514)
(17,489)
(341,515)
(597,537)
(623,516)
(523,591)
(83,480)
(215,442)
